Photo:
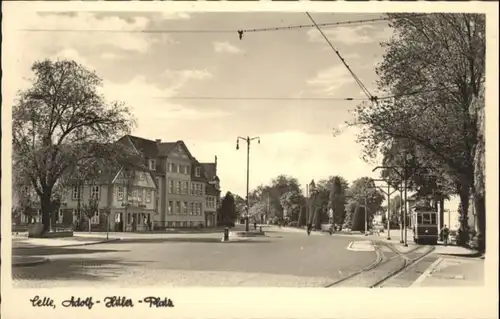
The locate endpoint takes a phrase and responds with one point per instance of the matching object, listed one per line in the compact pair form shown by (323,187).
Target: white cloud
(175,16)
(351,35)
(225,47)
(182,77)
(109,56)
(329,81)
(130,41)
(150,103)
(304,156)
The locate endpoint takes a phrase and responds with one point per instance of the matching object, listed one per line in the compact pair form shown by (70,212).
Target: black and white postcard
(249,161)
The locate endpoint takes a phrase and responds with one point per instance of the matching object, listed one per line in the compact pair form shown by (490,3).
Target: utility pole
(248,140)
(366,212)
(402,171)
(405,179)
(388,193)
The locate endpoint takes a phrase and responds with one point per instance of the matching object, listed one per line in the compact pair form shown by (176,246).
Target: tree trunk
(464,193)
(90,224)
(46,208)
(79,207)
(480,206)
(441,213)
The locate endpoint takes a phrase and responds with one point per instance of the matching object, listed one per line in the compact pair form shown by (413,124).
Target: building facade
(182,183)
(122,203)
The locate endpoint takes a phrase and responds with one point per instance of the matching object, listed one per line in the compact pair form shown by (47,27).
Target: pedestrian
(309,228)
(255,225)
(445,233)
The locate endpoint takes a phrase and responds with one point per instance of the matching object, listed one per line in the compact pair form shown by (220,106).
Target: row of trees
(434,67)
(330,200)
(63,130)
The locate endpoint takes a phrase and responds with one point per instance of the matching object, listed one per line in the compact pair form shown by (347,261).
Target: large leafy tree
(227,210)
(362,190)
(60,122)
(337,200)
(273,193)
(323,199)
(292,203)
(434,66)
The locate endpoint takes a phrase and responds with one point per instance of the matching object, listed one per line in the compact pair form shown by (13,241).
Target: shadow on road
(182,240)
(75,269)
(48,251)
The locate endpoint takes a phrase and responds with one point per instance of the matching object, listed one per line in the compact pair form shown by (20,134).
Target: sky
(154,73)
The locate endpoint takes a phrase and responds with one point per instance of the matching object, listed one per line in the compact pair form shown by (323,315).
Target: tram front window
(426,219)
(433,219)
(419,219)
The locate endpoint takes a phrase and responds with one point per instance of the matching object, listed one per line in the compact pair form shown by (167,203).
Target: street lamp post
(366,213)
(248,140)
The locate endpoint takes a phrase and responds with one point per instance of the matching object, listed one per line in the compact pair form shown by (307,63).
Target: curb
(426,274)
(38,261)
(89,244)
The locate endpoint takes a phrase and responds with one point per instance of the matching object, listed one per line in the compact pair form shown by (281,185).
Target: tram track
(408,262)
(384,268)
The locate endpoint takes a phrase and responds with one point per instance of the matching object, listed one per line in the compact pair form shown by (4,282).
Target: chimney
(215,165)
(158,140)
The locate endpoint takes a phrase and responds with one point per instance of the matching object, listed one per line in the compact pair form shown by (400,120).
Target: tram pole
(366,212)
(388,211)
(405,177)
(401,241)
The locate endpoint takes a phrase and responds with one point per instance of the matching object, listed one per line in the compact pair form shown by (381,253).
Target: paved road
(282,259)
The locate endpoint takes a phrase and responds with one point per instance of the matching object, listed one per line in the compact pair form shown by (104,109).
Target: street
(280,259)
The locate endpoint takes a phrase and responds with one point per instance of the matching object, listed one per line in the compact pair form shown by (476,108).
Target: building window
(178,187)
(152,165)
(94,192)
(170,208)
(191,224)
(169,167)
(170,186)
(197,171)
(210,202)
(198,189)
(95,219)
(76,193)
(185,188)
(148,196)
(199,209)
(186,170)
(120,193)
(185,208)
(174,168)
(177,208)
(192,189)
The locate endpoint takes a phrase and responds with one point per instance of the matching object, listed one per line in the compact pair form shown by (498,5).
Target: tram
(425,226)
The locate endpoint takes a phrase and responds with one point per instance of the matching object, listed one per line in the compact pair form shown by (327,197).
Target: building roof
(211,190)
(210,170)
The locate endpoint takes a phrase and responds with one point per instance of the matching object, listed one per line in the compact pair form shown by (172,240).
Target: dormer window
(152,165)
(197,171)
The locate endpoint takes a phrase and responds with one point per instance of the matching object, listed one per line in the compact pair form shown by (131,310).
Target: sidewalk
(18,242)
(452,272)
(25,261)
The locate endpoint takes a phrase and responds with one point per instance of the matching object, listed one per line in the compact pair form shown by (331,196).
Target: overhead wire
(240,31)
(355,77)
(326,98)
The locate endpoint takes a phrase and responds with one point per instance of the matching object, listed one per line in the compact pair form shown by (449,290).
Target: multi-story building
(182,182)
(212,193)
(125,202)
